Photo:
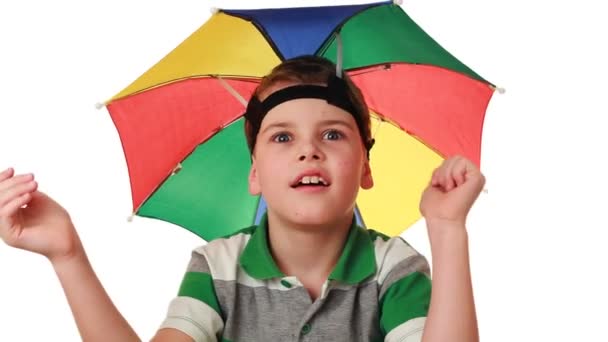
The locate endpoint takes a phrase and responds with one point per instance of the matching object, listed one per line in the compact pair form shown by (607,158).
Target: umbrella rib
(382,121)
(232,91)
(327,41)
(339,55)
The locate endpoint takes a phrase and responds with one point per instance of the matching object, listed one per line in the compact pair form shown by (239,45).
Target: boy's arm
(451,314)
(171,335)
(445,204)
(32,221)
(96,316)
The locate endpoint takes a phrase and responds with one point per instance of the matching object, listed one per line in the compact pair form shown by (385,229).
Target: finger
(459,172)
(14,180)
(17,190)
(474,175)
(447,179)
(471,169)
(11,207)
(6,174)
(437,179)
(434,178)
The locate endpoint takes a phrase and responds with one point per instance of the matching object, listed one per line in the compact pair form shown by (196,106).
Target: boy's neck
(309,254)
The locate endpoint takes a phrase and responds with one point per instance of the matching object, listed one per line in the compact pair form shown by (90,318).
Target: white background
(537,237)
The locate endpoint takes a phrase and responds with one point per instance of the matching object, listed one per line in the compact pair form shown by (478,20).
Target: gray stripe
(198,263)
(261,314)
(415,263)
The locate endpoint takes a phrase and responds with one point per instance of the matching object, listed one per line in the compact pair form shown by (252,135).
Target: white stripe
(222,255)
(410,331)
(194,318)
(388,254)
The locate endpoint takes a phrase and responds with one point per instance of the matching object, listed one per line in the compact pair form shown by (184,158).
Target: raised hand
(454,187)
(32,221)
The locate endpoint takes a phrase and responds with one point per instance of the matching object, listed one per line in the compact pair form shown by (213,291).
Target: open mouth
(311,181)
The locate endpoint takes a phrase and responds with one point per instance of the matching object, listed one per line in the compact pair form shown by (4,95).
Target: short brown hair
(309,70)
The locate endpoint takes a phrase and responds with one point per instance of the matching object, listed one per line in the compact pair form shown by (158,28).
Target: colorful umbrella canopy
(181,125)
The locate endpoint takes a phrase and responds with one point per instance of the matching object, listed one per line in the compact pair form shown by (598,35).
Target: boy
(306,272)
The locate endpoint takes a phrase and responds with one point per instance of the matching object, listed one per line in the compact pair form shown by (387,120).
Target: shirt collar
(356,262)
(256,259)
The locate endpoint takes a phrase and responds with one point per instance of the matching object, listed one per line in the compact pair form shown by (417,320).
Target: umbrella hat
(181,122)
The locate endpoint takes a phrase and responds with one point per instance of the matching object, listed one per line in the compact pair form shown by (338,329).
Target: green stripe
(199,286)
(374,235)
(405,299)
(386,34)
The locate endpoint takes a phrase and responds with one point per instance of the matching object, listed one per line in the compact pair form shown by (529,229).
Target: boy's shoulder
(390,253)
(385,247)
(389,245)
(394,256)
(228,243)
(221,257)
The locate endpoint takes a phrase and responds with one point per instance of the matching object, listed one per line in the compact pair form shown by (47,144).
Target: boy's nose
(310,151)
(313,157)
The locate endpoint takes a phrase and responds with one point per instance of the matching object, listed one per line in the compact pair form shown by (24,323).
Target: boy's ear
(367,181)
(254,184)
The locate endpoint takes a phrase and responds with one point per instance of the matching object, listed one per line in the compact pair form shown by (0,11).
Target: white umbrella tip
(214,10)
(501,90)
(100,105)
(130,218)
(398,2)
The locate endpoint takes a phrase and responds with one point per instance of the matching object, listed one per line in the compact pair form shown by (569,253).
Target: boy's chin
(317,217)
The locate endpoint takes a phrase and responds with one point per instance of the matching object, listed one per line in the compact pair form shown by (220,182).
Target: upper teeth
(313,180)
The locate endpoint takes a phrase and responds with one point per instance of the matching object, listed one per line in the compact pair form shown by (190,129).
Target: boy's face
(309,141)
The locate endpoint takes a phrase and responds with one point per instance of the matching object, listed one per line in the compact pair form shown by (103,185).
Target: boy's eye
(281,138)
(332,134)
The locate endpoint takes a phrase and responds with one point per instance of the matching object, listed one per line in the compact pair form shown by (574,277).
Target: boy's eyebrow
(277,125)
(322,123)
(336,122)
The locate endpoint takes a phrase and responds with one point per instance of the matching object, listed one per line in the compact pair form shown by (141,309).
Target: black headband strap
(303,91)
(335,93)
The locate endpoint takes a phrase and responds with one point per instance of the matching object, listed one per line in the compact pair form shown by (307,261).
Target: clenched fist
(454,187)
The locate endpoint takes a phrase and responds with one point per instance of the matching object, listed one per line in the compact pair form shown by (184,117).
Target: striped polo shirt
(233,290)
